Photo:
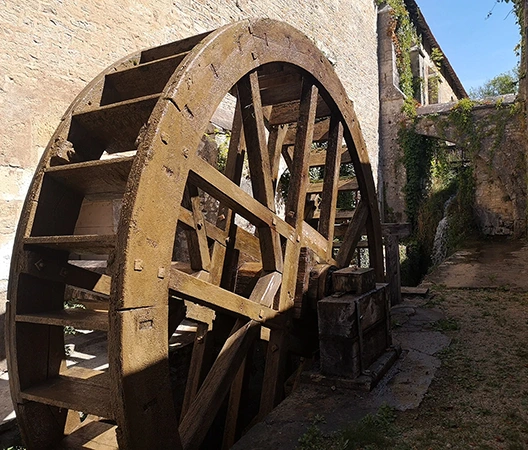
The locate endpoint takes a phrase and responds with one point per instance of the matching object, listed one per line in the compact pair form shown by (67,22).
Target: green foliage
(505,83)
(373,432)
(418,151)
(436,173)
(404,37)
(437,57)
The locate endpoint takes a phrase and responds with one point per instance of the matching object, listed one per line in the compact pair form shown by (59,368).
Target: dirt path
(479,397)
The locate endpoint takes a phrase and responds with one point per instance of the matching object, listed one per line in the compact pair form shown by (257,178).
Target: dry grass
(479,398)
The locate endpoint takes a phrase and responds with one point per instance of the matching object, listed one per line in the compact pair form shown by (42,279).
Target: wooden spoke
(303,144)
(235,395)
(255,133)
(197,236)
(275,143)
(352,235)
(332,165)
(44,266)
(205,293)
(210,180)
(216,385)
(260,166)
(195,375)
(272,388)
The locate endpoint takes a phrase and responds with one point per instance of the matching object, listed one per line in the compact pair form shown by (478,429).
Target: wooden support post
(392,233)
(194,378)
(233,407)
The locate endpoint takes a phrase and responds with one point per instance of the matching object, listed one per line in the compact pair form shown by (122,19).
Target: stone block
(353,280)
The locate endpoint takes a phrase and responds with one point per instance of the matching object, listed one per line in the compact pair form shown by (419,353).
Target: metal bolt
(138,265)
(164,137)
(161,272)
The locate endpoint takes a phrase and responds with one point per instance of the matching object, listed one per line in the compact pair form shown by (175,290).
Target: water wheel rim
(138,322)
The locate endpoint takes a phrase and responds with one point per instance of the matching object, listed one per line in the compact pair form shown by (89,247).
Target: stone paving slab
(497,263)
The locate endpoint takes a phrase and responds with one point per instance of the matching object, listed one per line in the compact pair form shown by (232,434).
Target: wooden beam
(352,235)
(212,296)
(259,166)
(331,181)
(203,409)
(342,185)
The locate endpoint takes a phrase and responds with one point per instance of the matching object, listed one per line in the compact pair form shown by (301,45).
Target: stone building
(53,48)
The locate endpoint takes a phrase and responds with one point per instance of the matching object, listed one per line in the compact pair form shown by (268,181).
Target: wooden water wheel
(134,136)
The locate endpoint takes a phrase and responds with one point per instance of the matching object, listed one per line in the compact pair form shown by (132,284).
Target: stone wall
(496,146)
(52,48)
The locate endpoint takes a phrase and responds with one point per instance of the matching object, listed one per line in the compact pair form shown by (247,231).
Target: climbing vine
(404,36)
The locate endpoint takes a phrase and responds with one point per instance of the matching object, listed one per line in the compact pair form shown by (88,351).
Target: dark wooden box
(354,331)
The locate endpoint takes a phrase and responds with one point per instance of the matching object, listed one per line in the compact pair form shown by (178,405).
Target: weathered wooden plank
(216,385)
(341,215)
(213,296)
(172,48)
(75,388)
(194,377)
(210,180)
(331,181)
(255,134)
(295,202)
(198,247)
(315,241)
(272,386)
(141,388)
(352,235)
(139,81)
(288,112)
(81,319)
(92,434)
(108,177)
(117,126)
(318,157)
(235,394)
(275,143)
(266,289)
(344,185)
(88,243)
(45,267)
(259,166)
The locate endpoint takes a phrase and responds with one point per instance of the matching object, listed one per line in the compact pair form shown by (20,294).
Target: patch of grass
(449,324)
(373,432)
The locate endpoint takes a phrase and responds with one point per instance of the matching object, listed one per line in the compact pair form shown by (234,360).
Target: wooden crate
(354,330)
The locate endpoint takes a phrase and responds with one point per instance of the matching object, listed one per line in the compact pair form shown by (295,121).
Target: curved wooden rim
(162,165)
(138,313)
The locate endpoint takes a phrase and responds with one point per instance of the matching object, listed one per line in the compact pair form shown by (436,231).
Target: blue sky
(477,48)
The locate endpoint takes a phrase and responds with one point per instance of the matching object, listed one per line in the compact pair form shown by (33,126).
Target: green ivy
(418,152)
(404,36)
